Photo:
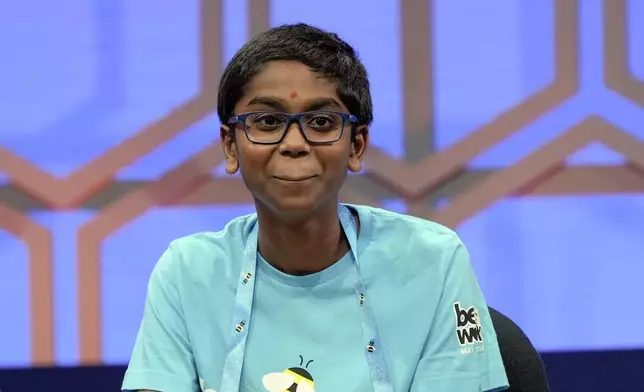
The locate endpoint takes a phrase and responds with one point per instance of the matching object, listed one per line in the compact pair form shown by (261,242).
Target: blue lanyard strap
(241,316)
(244,305)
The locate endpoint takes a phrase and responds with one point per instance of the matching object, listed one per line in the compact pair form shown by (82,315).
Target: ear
(358,148)
(230,148)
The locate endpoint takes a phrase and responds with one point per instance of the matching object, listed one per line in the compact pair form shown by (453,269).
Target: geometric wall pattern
(432,157)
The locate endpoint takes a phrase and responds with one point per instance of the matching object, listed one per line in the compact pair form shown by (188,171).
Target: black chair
(522,362)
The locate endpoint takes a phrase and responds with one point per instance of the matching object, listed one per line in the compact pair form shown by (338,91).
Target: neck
(301,246)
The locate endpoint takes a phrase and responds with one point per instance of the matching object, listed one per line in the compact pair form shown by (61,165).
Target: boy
(307,294)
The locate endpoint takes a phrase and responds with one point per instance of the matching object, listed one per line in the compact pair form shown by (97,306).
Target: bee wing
(303,387)
(277,382)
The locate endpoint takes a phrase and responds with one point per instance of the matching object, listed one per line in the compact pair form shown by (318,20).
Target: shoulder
(417,234)
(231,236)
(205,252)
(420,243)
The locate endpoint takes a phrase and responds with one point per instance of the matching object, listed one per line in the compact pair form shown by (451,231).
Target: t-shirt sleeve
(462,353)
(162,359)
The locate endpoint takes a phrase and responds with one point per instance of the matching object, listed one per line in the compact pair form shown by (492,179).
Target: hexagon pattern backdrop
(520,124)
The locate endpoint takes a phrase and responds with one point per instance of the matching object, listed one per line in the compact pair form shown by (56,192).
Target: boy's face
(294,176)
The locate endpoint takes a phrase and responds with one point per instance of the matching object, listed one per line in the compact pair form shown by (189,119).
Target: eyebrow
(280,104)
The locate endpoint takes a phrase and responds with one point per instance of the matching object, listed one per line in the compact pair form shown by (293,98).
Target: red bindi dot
(293,95)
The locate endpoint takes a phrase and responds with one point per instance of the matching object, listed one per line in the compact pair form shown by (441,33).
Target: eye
(267,121)
(322,122)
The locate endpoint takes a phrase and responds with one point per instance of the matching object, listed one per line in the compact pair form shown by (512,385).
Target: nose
(294,144)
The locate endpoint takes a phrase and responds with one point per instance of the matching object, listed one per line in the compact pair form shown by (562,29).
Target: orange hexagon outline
(76,188)
(538,166)
(414,180)
(89,305)
(39,247)
(188,110)
(88,259)
(79,186)
(617,73)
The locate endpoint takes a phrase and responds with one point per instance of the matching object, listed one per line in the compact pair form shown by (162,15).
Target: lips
(294,178)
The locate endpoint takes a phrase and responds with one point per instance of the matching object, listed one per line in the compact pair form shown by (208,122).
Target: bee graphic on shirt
(294,379)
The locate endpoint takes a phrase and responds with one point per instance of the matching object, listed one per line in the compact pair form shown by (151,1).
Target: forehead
(290,79)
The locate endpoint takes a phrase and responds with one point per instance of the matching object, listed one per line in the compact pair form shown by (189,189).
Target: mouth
(293,179)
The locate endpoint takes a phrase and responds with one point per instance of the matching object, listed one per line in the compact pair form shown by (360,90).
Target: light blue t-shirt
(434,325)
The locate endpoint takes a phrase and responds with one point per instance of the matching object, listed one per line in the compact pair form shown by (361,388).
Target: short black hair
(323,52)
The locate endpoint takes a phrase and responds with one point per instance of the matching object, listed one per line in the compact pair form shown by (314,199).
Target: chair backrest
(522,362)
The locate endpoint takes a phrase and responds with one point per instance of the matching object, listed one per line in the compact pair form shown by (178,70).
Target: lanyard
(243,308)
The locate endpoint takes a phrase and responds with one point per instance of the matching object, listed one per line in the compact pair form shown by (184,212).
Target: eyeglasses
(268,127)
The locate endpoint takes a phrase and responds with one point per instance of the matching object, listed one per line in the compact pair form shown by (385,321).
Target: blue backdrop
(83,75)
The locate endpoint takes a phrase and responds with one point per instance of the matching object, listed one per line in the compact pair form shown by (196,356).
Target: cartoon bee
(295,379)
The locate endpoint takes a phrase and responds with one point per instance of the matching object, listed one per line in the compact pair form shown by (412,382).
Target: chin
(292,208)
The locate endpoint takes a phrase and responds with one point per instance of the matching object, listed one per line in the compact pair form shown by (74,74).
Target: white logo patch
(468,328)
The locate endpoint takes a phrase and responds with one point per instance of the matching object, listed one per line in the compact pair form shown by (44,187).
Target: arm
(461,353)
(162,358)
